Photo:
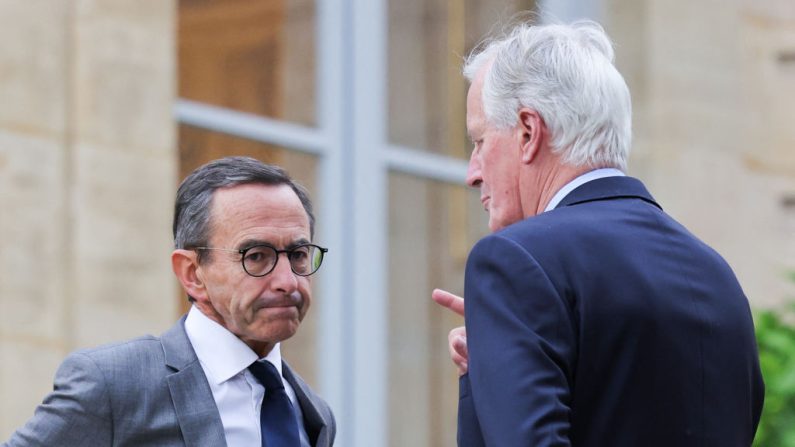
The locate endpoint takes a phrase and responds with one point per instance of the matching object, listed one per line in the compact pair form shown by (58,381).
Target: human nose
(474,178)
(283,279)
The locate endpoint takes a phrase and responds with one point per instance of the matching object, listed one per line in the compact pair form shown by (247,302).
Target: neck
(260,348)
(544,180)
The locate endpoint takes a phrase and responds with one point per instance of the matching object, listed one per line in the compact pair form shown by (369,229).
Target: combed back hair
(566,74)
(192,219)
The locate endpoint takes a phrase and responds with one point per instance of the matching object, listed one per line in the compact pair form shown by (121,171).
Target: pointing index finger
(449,300)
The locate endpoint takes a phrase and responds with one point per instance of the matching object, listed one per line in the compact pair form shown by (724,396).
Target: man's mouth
(485,201)
(288,311)
(284,302)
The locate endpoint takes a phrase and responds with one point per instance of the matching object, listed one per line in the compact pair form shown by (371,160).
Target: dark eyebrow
(252,242)
(299,242)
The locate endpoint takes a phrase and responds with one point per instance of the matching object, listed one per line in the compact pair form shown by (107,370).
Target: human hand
(457,338)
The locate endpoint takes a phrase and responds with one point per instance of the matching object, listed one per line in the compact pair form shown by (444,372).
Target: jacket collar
(608,188)
(316,426)
(194,405)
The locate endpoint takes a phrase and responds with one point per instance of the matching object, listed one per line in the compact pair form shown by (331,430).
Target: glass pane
(427,42)
(253,56)
(198,146)
(428,248)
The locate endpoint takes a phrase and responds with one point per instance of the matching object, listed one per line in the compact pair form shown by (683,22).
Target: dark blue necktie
(277,420)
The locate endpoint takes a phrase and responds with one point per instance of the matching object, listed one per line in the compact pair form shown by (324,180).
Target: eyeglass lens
(259,260)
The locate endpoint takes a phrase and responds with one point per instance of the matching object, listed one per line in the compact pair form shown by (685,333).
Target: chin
(282,331)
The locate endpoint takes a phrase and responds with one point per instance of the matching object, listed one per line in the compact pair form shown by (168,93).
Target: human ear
(530,131)
(185,265)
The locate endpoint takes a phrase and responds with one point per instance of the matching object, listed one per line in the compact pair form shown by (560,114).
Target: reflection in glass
(428,247)
(254,56)
(427,42)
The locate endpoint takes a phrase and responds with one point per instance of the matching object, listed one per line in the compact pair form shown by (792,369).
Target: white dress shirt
(585,178)
(237,393)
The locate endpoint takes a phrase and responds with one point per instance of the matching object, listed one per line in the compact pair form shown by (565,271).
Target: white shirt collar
(222,354)
(585,178)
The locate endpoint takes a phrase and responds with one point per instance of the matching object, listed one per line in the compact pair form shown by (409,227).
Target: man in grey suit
(216,378)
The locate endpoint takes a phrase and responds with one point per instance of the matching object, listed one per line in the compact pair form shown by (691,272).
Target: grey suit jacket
(148,391)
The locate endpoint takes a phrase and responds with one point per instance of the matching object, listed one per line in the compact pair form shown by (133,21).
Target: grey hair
(566,74)
(195,194)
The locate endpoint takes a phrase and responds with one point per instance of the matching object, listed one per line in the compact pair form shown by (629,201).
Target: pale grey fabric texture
(148,391)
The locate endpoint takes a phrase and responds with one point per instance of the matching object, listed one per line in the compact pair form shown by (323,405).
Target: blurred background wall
(105,105)
(87,175)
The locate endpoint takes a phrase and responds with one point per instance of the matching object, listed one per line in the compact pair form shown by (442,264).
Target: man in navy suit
(592,317)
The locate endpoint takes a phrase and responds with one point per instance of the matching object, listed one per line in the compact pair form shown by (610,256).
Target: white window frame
(354,161)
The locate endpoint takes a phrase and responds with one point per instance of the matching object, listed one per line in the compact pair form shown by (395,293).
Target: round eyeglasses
(259,260)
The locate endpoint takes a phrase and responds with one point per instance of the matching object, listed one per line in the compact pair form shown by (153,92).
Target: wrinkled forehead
(275,211)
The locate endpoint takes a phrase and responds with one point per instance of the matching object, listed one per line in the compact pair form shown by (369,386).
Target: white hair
(566,74)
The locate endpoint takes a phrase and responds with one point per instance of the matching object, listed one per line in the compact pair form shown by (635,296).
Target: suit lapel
(316,426)
(194,405)
(608,188)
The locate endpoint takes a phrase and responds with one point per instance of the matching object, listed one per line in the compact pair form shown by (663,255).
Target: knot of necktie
(267,374)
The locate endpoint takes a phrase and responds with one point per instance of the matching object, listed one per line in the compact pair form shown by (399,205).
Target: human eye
(299,259)
(258,255)
(299,253)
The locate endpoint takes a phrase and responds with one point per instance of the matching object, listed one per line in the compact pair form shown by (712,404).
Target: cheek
(237,298)
(492,164)
(305,289)
(218,293)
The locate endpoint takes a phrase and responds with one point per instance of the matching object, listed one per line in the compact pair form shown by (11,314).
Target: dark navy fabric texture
(604,322)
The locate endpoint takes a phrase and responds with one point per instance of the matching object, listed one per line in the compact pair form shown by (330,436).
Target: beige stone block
(738,212)
(125,68)
(123,210)
(626,24)
(33,75)
(118,302)
(678,29)
(695,89)
(769,71)
(781,10)
(33,258)
(713,132)
(123,202)
(25,378)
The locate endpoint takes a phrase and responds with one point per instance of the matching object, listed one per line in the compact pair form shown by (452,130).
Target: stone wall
(713,85)
(87,179)
(88,165)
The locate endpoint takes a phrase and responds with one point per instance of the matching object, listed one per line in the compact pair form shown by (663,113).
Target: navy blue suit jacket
(605,323)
